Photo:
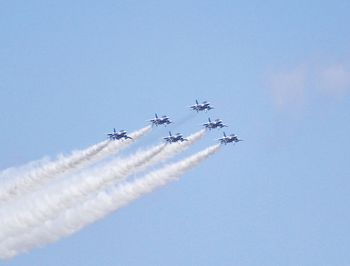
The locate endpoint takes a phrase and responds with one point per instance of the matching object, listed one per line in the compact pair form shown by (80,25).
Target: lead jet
(118,135)
(174,138)
(228,139)
(214,124)
(163,120)
(204,106)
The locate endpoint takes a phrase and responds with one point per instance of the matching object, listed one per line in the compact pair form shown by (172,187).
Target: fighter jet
(174,138)
(230,138)
(204,106)
(214,124)
(163,120)
(118,135)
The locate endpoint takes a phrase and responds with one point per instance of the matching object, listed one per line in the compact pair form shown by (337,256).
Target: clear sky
(278,72)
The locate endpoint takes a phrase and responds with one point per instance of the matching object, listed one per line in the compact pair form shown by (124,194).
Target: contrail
(49,203)
(101,205)
(37,177)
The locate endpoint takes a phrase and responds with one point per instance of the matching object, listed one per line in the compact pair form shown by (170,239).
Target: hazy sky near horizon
(278,73)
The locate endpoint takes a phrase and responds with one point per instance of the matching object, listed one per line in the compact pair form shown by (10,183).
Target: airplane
(204,106)
(230,138)
(214,124)
(174,138)
(118,135)
(163,120)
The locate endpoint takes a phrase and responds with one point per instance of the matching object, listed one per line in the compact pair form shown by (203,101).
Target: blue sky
(277,72)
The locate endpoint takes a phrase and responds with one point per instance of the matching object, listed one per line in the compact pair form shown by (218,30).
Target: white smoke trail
(174,148)
(39,176)
(9,173)
(104,203)
(48,204)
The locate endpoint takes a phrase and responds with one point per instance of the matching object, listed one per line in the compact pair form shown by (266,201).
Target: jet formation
(165,120)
